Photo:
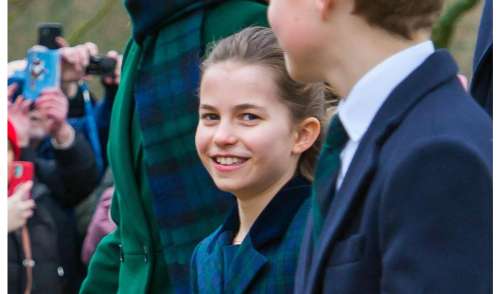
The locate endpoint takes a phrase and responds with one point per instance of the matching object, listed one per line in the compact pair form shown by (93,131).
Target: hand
(74,61)
(18,114)
(53,107)
(61,42)
(11,90)
(463,81)
(114,80)
(20,207)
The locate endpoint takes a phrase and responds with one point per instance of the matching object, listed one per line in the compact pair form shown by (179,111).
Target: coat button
(122,256)
(145,254)
(60,271)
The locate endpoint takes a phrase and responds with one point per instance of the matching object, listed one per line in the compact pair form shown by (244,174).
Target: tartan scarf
(186,203)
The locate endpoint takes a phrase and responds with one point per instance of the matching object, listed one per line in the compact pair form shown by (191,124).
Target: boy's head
(399,17)
(323,33)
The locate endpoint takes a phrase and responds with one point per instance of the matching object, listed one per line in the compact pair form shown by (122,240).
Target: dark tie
(327,170)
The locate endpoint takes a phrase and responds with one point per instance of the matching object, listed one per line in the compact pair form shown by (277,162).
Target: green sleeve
(104,266)
(231,17)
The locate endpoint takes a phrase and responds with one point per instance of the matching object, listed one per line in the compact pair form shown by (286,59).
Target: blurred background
(106,23)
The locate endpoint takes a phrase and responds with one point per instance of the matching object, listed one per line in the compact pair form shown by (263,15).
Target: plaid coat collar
(267,230)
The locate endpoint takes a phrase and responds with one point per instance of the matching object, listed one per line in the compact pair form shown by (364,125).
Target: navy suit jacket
(414,212)
(481,86)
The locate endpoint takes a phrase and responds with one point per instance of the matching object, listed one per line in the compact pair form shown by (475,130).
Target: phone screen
(22,172)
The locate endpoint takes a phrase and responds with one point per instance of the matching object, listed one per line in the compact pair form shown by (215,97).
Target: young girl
(258,137)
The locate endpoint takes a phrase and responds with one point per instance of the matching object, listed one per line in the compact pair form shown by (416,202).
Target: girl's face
(245,137)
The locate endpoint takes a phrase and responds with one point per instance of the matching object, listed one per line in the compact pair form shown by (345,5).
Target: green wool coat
(141,267)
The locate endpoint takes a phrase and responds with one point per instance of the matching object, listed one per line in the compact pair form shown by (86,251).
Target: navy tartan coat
(266,260)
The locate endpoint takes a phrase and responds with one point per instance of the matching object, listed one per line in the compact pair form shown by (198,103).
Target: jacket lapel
(213,279)
(245,267)
(437,69)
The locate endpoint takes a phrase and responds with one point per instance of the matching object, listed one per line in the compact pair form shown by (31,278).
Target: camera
(101,65)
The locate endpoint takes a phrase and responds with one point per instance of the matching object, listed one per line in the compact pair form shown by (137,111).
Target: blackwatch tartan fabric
(326,174)
(266,260)
(185,200)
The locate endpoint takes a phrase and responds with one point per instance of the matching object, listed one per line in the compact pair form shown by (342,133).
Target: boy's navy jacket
(414,212)
(481,86)
(266,260)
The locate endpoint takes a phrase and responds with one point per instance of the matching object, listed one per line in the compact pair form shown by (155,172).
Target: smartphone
(22,172)
(43,70)
(47,34)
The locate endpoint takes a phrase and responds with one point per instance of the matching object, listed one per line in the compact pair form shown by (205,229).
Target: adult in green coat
(164,201)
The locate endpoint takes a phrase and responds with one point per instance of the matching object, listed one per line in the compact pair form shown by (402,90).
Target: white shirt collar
(367,96)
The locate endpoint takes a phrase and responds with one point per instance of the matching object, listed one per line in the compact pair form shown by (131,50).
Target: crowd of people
(63,134)
(255,147)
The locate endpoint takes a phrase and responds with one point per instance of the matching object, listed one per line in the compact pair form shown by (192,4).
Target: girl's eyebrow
(243,106)
(238,107)
(207,107)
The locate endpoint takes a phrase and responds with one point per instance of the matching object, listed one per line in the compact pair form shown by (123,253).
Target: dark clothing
(50,273)
(71,176)
(266,260)
(60,184)
(481,86)
(414,212)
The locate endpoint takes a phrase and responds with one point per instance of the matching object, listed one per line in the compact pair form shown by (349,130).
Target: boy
(403,191)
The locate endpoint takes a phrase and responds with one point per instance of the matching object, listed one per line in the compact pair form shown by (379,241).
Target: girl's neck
(249,208)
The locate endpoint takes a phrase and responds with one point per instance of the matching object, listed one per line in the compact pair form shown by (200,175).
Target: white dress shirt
(356,112)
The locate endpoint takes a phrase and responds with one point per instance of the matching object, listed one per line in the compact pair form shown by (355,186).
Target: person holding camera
(60,183)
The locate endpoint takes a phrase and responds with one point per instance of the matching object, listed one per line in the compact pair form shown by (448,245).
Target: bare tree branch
(445,27)
(77,35)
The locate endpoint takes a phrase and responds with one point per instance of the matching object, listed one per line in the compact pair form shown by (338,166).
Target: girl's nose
(225,135)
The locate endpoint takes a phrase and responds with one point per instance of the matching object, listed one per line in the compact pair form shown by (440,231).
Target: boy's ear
(325,8)
(306,134)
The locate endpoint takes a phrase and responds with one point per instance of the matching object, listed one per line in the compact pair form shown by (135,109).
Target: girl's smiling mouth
(228,162)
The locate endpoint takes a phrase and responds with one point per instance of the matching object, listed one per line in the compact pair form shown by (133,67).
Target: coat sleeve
(71,176)
(104,267)
(194,272)
(436,221)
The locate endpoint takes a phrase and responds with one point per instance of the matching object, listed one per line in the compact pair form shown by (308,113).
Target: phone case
(22,172)
(42,71)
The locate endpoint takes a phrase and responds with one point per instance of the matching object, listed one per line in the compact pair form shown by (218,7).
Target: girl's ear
(306,134)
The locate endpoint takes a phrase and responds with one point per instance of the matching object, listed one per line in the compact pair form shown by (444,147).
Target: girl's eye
(249,117)
(209,116)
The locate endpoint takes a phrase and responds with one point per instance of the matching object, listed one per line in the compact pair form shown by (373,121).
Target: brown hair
(401,17)
(258,45)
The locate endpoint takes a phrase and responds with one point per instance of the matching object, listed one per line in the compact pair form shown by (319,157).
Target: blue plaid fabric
(266,260)
(187,205)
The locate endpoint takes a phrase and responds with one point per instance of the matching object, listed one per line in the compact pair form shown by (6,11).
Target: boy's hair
(401,17)
(259,46)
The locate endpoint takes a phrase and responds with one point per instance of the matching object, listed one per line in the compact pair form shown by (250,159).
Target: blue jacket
(266,260)
(481,86)
(414,212)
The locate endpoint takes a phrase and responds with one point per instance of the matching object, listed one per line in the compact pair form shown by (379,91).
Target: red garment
(13,140)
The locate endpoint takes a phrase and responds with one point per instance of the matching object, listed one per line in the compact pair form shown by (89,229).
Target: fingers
(463,81)
(23,191)
(11,90)
(61,42)
(115,79)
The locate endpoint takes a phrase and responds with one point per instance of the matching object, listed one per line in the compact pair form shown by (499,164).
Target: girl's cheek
(202,139)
